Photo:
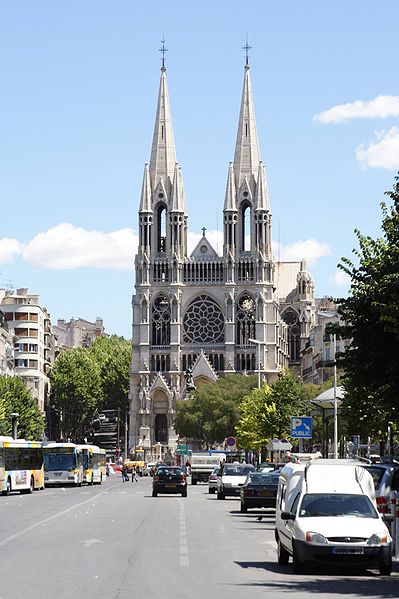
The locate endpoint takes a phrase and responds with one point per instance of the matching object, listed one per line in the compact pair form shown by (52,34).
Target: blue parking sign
(301,427)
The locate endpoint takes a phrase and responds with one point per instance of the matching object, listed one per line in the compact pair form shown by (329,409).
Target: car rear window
(237,470)
(263,478)
(377,472)
(164,471)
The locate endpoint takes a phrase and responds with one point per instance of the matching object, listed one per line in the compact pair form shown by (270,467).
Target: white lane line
(183,548)
(23,532)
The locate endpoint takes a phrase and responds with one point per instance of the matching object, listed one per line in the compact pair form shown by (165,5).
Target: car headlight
(316,538)
(381,538)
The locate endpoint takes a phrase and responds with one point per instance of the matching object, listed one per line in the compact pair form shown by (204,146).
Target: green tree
(371,315)
(266,412)
(76,387)
(113,356)
(16,397)
(213,411)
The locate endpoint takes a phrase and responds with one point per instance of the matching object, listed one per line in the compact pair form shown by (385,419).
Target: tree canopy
(15,396)
(371,315)
(113,356)
(266,412)
(212,412)
(76,388)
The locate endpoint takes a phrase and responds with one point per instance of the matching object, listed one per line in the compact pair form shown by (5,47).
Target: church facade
(200,315)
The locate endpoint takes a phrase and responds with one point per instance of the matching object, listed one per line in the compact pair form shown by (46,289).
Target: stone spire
(163,153)
(230,201)
(262,192)
(246,156)
(178,203)
(145,200)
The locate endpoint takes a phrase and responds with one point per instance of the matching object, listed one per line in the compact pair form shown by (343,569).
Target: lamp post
(335,398)
(257,343)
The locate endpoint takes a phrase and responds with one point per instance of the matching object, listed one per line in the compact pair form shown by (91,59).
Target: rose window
(203,322)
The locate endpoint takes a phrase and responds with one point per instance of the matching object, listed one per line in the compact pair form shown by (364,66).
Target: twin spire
(164,173)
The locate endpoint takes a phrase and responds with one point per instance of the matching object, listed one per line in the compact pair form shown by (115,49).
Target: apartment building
(318,353)
(33,341)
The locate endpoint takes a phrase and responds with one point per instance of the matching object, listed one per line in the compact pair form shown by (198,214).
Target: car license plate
(170,486)
(348,550)
(57,473)
(265,493)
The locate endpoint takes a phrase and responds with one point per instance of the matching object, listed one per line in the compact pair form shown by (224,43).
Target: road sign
(230,441)
(301,427)
(356,440)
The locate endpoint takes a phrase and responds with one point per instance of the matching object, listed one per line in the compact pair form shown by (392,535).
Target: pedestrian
(124,473)
(134,475)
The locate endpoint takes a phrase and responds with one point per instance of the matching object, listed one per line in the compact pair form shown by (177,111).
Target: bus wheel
(7,490)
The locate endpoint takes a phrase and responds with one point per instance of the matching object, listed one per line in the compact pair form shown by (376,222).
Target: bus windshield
(59,461)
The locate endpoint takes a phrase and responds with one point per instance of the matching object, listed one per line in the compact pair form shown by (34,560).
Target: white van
(326,514)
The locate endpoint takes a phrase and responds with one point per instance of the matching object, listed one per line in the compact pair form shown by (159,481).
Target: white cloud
(340,278)
(380,107)
(310,249)
(383,153)
(9,250)
(66,247)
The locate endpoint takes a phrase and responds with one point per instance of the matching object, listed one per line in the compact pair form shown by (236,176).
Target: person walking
(134,475)
(124,473)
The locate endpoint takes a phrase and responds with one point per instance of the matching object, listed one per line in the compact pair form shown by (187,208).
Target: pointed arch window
(291,318)
(160,321)
(245,320)
(161,227)
(246,229)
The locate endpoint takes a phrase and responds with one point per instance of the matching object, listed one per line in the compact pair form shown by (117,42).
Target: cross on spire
(163,50)
(203,231)
(246,48)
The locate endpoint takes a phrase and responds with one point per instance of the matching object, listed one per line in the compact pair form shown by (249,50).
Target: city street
(116,541)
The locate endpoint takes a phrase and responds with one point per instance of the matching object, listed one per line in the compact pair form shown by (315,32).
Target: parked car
(148,469)
(169,479)
(326,515)
(232,478)
(213,480)
(386,479)
(259,490)
(269,466)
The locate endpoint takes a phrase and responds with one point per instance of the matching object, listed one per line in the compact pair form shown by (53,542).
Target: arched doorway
(161,429)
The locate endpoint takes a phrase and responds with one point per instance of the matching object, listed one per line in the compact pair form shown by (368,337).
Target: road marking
(53,517)
(183,548)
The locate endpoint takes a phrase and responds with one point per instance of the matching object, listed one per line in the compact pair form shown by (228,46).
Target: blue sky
(79,87)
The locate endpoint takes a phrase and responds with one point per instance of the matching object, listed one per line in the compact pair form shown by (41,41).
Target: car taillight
(156,478)
(212,477)
(183,476)
(382,505)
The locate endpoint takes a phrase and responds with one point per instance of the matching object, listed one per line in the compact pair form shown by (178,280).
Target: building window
(203,322)
(245,320)
(160,322)
(290,317)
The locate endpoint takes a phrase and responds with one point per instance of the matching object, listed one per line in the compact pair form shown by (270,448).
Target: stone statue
(189,380)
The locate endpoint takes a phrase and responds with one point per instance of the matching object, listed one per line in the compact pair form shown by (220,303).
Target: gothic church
(204,313)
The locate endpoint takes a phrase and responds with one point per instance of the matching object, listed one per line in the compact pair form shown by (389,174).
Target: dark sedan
(169,479)
(259,490)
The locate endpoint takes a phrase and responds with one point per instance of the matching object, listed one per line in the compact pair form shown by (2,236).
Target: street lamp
(335,398)
(257,343)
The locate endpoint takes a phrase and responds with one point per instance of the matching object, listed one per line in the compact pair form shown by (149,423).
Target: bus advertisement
(94,460)
(21,465)
(63,464)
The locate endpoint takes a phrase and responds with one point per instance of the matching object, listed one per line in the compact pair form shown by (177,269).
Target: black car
(169,479)
(259,490)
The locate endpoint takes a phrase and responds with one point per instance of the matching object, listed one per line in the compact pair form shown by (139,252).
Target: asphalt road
(115,541)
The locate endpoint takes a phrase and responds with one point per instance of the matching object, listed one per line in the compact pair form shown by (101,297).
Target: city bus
(63,464)
(21,465)
(94,460)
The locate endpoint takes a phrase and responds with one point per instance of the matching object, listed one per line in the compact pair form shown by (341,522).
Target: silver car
(213,480)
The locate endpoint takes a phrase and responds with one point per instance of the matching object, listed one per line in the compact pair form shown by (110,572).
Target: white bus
(94,460)
(21,465)
(63,464)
